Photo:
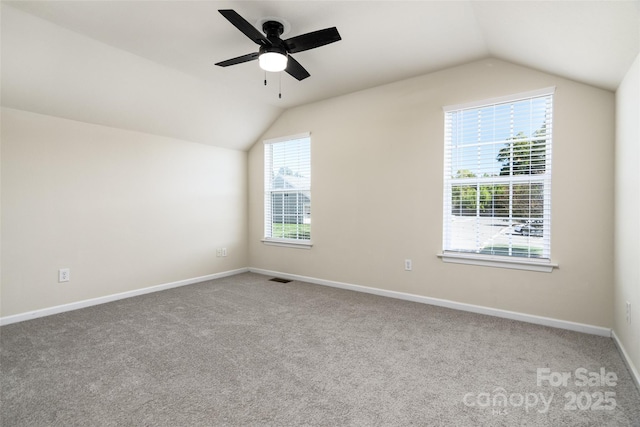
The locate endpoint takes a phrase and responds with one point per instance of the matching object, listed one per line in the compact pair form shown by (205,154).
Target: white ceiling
(149,65)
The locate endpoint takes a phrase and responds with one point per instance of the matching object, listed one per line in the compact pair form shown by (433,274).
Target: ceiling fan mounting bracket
(273,28)
(286,25)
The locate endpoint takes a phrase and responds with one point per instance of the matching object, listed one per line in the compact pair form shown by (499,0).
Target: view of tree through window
(498,178)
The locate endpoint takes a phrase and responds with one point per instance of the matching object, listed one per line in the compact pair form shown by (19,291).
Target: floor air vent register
(279,280)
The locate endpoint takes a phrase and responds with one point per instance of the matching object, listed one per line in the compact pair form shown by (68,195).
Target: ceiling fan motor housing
(273,30)
(274,49)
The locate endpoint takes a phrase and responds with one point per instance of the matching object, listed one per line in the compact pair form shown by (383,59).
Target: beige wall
(627,218)
(123,210)
(377,194)
(127,210)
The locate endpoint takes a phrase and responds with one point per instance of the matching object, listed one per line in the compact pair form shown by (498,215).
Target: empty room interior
(446,192)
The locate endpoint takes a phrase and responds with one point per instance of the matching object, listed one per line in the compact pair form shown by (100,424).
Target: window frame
(268,238)
(460,256)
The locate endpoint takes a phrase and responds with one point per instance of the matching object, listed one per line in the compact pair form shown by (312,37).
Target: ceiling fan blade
(243,25)
(312,40)
(239,60)
(295,69)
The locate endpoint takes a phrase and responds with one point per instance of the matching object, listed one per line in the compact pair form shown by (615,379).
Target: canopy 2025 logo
(582,377)
(501,402)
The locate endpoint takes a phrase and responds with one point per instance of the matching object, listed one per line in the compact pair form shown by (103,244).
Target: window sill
(297,244)
(544,266)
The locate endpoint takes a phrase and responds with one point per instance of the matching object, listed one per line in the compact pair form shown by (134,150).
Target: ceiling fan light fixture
(273,61)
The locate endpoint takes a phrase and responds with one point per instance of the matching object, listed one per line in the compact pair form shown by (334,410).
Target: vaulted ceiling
(149,65)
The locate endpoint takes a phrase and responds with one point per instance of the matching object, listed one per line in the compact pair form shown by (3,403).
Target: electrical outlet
(408,265)
(628,305)
(224,251)
(64,275)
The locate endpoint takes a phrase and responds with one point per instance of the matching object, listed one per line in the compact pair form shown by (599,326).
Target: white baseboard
(529,318)
(627,360)
(114,297)
(546,321)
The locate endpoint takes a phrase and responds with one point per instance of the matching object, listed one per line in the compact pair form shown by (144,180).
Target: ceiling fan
(274,53)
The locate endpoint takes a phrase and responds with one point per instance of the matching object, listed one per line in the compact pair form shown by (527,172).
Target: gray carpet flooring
(245,351)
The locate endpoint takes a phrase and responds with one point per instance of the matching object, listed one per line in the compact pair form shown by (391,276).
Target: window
(287,190)
(497,183)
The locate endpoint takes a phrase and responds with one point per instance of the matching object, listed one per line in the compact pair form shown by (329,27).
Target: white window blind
(497,177)
(287,196)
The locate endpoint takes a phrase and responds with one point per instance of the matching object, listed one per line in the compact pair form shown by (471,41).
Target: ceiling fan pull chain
(265,78)
(280,86)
